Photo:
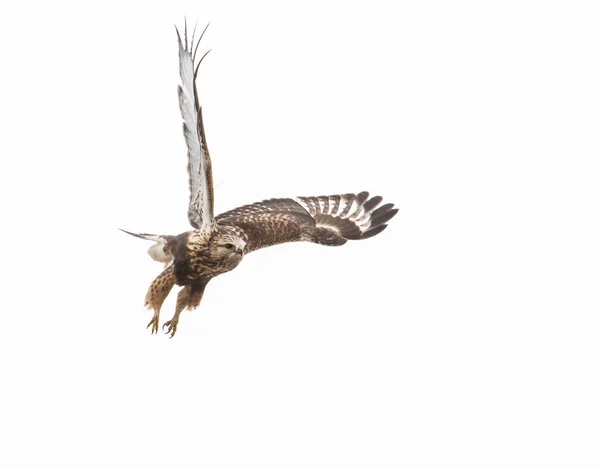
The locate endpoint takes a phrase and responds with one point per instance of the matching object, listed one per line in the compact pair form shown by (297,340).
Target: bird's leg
(189,297)
(181,304)
(158,291)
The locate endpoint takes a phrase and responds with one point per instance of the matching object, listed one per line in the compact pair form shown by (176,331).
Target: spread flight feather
(201,205)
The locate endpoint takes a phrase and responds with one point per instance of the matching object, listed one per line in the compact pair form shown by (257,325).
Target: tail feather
(148,236)
(352,216)
(161,250)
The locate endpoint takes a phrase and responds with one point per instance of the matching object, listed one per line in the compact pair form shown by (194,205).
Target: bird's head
(229,244)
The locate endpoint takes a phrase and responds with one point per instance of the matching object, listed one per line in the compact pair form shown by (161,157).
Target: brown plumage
(329,220)
(218,244)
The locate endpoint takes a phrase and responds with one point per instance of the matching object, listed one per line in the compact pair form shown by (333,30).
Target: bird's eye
(229,246)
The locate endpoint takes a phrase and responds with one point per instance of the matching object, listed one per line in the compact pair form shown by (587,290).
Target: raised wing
(201,207)
(329,220)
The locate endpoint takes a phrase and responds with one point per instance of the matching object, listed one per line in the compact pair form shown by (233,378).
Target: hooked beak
(240,251)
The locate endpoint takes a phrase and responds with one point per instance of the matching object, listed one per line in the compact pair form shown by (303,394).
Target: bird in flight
(217,244)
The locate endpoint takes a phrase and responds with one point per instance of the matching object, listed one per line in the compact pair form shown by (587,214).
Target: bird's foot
(154,324)
(171,326)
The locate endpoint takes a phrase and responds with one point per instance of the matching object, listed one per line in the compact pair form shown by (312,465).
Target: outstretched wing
(330,220)
(200,211)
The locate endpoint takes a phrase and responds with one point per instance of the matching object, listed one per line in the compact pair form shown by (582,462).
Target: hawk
(217,244)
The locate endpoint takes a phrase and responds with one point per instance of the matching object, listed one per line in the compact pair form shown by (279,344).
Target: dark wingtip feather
(194,31)
(372,203)
(361,197)
(383,217)
(381,210)
(373,231)
(198,43)
(185,32)
(199,62)
(178,36)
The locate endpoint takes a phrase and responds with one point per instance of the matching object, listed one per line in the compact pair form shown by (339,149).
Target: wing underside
(200,210)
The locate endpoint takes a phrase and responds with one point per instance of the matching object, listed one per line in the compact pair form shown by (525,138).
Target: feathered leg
(189,297)
(158,291)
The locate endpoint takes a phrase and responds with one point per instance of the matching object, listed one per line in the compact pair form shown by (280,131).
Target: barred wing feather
(330,220)
(200,211)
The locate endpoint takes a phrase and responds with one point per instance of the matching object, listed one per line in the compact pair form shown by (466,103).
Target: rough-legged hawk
(218,243)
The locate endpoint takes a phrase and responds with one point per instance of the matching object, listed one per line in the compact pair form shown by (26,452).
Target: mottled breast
(191,257)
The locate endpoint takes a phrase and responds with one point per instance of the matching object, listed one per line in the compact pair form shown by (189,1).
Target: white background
(466,335)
